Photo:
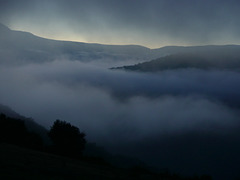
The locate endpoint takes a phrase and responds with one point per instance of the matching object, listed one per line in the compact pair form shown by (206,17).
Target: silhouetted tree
(67,139)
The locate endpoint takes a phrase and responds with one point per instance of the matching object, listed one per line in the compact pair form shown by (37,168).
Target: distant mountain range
(200,57)
(18,48)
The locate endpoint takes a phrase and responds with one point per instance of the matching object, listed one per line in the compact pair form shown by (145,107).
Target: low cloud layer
(183,119)
(114,106)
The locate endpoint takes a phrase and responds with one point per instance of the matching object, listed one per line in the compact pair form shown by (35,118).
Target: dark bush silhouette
(14,131)
(67,139)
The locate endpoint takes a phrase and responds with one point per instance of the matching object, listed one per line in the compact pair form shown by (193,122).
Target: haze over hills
(201,57)
(18,48)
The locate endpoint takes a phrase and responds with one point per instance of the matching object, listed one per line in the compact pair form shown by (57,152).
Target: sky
(152,23)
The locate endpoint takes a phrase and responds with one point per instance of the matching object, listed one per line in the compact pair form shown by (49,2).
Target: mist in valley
(175,107)
(126,112)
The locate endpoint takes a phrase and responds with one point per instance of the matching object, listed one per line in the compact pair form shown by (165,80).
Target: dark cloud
(154,23)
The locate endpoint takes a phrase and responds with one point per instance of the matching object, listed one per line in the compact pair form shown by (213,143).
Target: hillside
(23,155)
(30,124)
(18,47)
(20,163)
(208,57)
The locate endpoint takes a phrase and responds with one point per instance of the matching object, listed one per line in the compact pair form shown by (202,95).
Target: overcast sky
(152,23)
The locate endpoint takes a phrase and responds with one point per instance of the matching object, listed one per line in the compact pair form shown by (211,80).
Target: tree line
(67,140)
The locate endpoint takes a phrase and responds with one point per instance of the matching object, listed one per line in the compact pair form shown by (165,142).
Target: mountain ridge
(203,57)
(19,47)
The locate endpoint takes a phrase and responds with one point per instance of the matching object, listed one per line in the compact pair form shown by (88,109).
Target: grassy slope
(20,163)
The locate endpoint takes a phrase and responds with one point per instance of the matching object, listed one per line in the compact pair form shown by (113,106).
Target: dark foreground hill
(21,163)
(30,124)
(23,155)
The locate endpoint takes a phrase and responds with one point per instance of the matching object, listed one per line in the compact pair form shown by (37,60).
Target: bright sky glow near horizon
(152,23)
